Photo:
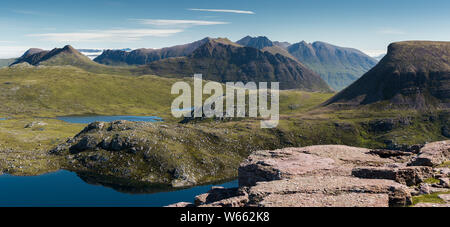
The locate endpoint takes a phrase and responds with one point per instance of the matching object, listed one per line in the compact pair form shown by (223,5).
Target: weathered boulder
(35,123)
(407,175)
(444,182)
(333,160)
(84,144)
(446,131)
(433,154)
(442,172)
(181,205)
(426,189)
(217,194)
(445,197)
(238,201)
(267,192)
(390,153)
(281,164)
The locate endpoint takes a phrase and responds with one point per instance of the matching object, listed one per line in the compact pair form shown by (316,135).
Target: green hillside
(49,91)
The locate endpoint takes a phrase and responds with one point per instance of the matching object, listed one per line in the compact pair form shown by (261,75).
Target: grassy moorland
(169,152)
(59,91)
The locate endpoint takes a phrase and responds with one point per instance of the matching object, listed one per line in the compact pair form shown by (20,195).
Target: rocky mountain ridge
(338,66)
(227,62)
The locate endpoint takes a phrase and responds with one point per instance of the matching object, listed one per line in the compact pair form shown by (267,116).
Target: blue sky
(366,25)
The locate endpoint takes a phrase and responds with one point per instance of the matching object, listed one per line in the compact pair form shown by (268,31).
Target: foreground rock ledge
(332,176)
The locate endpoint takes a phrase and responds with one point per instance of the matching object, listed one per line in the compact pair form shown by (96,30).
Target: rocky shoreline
(337,176)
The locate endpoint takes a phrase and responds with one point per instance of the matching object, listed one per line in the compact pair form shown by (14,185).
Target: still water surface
(64,188)
(90,119)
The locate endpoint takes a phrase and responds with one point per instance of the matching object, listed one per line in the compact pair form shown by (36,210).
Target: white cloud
(374,53)
(3,41)
(12,51)
(224,11)
(31,13)
(180,22)
(116,35)
(389,31)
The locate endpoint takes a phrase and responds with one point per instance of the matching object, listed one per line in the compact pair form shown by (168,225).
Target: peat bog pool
(64,188)
(90,119)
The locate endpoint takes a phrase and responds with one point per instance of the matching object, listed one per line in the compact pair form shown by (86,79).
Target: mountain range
(338,66)
(58,56)
(224,61)
(145,56)
(217,59)
(413,74)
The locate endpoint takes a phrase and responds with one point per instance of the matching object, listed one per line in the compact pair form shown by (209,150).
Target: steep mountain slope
(68,56)
(414,74)
(260,42)
(218,60)
(265,44)
(58,56)
(337,65)
(31,56)
(145,56)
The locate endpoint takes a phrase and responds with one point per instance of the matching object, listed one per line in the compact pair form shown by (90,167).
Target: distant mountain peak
(66,55)
(413,74)
(259,42)
(339,66)
(147,55)
(32,51)
(70,49)
(228,62)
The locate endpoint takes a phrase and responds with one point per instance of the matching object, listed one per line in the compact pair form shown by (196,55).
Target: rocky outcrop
(181,205)
(334,160)
(221,197)
(145,152)
(332,187)
(316,176)
(331,176)
(433,154)
(407,175)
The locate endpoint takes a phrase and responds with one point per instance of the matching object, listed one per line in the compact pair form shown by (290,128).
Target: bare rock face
(442,172)
(407,175)
(331,186)
(325,200)
(432,205)
(281,164)
(445,182)
(445,197)
(433,154)
(333,160)
(219,196)
(181,205)
(238,201)
(334,176)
